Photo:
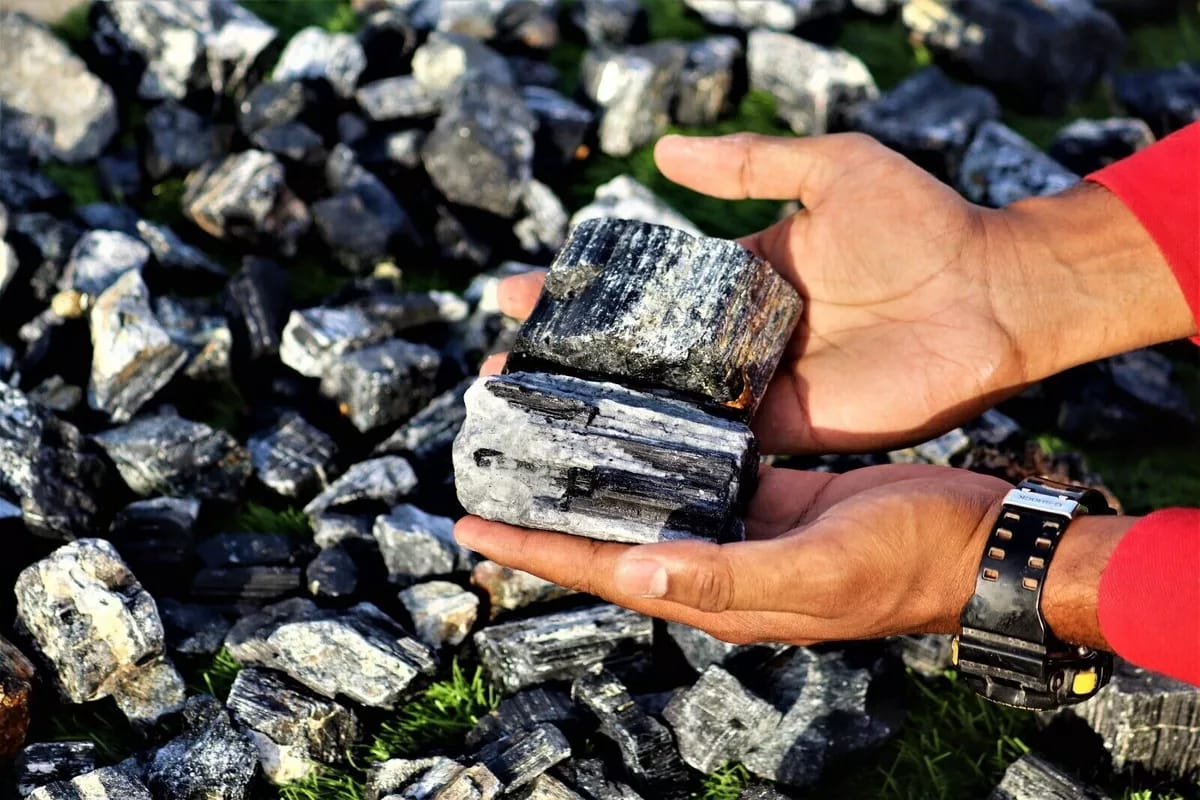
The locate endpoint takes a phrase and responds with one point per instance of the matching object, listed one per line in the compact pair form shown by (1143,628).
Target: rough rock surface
(1031,777)
(442,612)
(511,589)
(44,763)
(107,783)
(379,481)
(1167,99)
(178,140)
(383,383)
(314,339)
(1087,145)
(99,258)
(519,759)
(1000,167)
(417,545)
(635,88)
(16,693)
(293,458)
(317,54)
(624,198)
(707,80)
(211,760)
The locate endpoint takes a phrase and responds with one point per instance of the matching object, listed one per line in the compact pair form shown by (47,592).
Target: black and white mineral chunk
(316,54)
(416,545)
(383,383)
(442,612)
(177,140)
(779,15)
(382,481)
(543,227)
(1044,56)
(43,763)
(611,22)
(212,758)
(943,450)
(332,574)
(565,645)
(1087,145)
(429,436)
(1032,777)
(634,87)
(598,460)
(41,77)
(402,97)
(928,117)
(512,589)
(107,783)
(815,88)
(256,302)
(562,126)
(203,335)
(519,759)
(293,729)
(708,319)
(99,258)
(624,197)
(707,80)
(526,710)
(1167,99)
(292,458)
(315,339)
(431,778)
(1001,167)
(447,60)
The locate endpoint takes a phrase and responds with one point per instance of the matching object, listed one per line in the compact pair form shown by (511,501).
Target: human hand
(874,552)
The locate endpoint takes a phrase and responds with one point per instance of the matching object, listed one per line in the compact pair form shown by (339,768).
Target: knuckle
(712,583)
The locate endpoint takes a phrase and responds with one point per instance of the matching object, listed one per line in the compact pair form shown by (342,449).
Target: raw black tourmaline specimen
(653,306)
(1033,778)
(1167,99)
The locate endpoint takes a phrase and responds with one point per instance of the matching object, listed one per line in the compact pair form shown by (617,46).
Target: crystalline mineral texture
(108,783)
(1001,167)
(52,762)
(211,760)
(635,88)
(293,458)
(382,383)
(418,545)
(653,306)
(598,460)
(99,258)
(1033,778)
(519,759)
(385,480)
(442,612)
(511,589)
(526,710)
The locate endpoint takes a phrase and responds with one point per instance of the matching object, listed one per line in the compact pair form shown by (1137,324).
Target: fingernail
(642,578)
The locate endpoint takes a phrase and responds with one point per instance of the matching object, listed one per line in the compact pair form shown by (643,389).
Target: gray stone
(386,780)
(407,310)
(814,87)
(707,80)
(589,778)
(155,537)
(271,103)
(192,629)
(635,88)
(332,574)
(429,436)
(564,645)
(760,791)
(292,729)
(316,54)
(1001,167)
(545,787)
(1031,777)
(107,783)
(204,336)
(418,545)
(41,77)
(175,456)
(779,15)
(246,549)
(379,481)
(446,60)
(316,338)
(543,228)
(393,149)
(90,618)
(294,142)
(511,589)
(609,22)
(57,395)
(524,711)
(173,253)
(624,198)
(601,461)
(383,383)
(442,612)
(927,654)
(293,458)
(950,447)
(99,258)
(150,694)
(332,530)
(519,759)
(929,118)
(480,152)
(1087,145)
(256,300)
(562,126)
(45,763)
(244,197)
(177,140)
(401,97)
(211,760)
(242,586)
(1167,99)
(720,316)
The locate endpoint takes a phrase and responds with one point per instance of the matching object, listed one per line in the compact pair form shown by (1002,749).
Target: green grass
(100,723)
(80,182)
(290,16)
(725,783)
(74,28)
(326,784)
(256,518)
(670,19)
(216,677)
(884,47)
(165,204)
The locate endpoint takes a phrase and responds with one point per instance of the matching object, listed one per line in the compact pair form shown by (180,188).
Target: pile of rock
(433,139)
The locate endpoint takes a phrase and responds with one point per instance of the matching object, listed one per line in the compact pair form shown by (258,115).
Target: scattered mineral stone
(315,339)
(511,589)
(44,763)
(702,650)
(41,77)
(647,748)
(1031,777)
(524,711)
(383,383)
(519,759)
(43,244)
(294,142)
(707,80)
(927,654)
(379,481)
(780,15)
(929,118)
(1043,56)
(27,189)
(108,217)
(428,436)
(120,173)
(418,545)
(1087,145)
(648,469)
(178,140)
(174,456)
(150,694)
(256,300)
(635,88)
(24,138)
(192,629)
(174,254)
(814,87)
(331,530)
(415,779)
(388,39)
(402,97)
(993,428)
(589,778)
(57,395)
(89,617)
(1000,167)
(406,310)
(720,314)
(480,152)
(16,692)
(332,574)
(623,197)
(204,336)
(252,585)
(293,458)
(442,612)
(291,728)
(543,227)
(211,760)
(244,197)
(761,791)
(392,149)
(246,549)
(1167,99)
(609,22)
(562,126)
(564,646)
(947,448)
(99,258)
(155,537)
(107,783)
(272,103)
(545,787)
(448,60)
(316,54)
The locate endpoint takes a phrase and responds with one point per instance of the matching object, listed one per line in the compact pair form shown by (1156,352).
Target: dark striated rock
(562,126)
(332,574)
(511,589)
(316,54)
(780,15)
(519,759)
(99,258)
(150,694)
(205,337)
(623,197)
(177,140)
(635,88)
(383,383)
(545,787)
(720,344)
(42,244)
(646,746)
(530,72)
(379,481)
(815,88)
(648,469)
(16,693)
(1000,167)
(180,258)
(761,791)
(293,458)
(246,549)
(929,118)
(272,103)
(210,760)
(702,650)
(57,395)
(291,728)
(330,530)
(442,612)
(707,80)
(244,197)
(564,646)
(256,301)
(418,545)
(480,152)
(41,77)
(1167,99)
(543,227)
(610,22)
(429,436)
(1087,145)
(156,538)
(447,60)
(175,456)
(252,585)
(316,338)
(399,98)
(26,189)
(107,783)
(406,310)
(460,238)
(192,629)
(45,763)
(590,779)
(1045,56)
(524,711)
(1031,777)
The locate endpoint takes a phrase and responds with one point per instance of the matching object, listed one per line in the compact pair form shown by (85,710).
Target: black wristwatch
(1006,652)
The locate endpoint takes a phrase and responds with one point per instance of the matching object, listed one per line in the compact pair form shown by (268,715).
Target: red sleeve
(1161,186)
(1149,605)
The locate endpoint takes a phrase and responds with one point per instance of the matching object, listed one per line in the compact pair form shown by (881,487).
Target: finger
(747,165)
(493,364)
(774,245)
(518,294)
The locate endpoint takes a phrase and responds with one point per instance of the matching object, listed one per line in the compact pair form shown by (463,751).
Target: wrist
(1072,591)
